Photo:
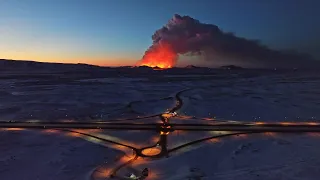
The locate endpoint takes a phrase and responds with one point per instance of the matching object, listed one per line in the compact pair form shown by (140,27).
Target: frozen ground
(49,155)
(263,157)
(289,96)
(238,96)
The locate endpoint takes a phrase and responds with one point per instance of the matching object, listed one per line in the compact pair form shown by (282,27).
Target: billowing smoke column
(183,35)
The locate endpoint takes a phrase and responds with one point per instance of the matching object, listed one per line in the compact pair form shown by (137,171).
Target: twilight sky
(117,32)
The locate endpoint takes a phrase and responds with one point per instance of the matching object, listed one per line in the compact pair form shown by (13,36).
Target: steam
(188,36)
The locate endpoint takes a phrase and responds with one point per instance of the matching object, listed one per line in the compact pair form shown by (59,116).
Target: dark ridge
(230,67)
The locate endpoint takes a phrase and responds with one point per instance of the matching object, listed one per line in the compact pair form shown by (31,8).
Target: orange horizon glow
(95,62)
(312,123)
(287,123)
(14,129)
(26,40)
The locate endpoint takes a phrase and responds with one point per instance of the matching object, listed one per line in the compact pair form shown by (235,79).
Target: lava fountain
(159,55)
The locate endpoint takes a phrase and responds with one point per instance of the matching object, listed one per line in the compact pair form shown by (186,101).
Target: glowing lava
(161,55)
(151,151)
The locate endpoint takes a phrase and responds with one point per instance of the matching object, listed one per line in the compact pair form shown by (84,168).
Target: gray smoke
(189,36)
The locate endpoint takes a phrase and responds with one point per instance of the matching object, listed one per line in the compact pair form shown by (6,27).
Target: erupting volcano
(160,55)
(183,35)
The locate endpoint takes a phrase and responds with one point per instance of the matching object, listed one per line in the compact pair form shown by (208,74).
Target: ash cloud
(189,36)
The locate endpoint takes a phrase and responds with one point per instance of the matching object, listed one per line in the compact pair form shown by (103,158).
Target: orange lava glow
(125,159)
(140,161)
(312,123)
(161,56)
(208,119)
(151,151)
(164,133)
(287,123)
(166,115)
(14,129)
(119,147)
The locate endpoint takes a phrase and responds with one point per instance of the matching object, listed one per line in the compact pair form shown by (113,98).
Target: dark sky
(117,32)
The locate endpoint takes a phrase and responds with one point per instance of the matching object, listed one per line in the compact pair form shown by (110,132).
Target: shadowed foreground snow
(38,155)
(263,157)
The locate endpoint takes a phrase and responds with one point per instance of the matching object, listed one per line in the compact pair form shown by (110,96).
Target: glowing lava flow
(160,55)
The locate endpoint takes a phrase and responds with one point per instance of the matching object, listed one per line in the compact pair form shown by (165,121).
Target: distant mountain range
(20,65)
(44,67)
(230,67)
(6,64)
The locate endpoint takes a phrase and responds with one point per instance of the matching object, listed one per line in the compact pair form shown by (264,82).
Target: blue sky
(117,32)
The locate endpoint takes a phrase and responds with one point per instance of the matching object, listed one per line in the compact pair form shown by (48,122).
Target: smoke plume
(184,35)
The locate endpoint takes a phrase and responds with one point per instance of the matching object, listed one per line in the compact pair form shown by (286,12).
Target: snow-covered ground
(49,155)
(263,157)
(59,155)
